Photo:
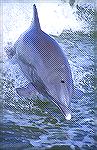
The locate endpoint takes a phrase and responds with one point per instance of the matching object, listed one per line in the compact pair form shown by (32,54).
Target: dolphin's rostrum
(45,65)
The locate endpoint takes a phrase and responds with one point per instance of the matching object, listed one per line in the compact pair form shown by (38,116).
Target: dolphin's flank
(45,65)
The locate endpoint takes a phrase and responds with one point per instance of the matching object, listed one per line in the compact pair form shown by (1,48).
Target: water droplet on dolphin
(68,117)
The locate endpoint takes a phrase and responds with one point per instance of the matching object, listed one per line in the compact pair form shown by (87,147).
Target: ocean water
(36,123)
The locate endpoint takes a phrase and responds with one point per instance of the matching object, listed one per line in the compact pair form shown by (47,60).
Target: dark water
(37,124)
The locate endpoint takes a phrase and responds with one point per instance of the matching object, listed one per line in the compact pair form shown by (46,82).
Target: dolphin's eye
(62,81)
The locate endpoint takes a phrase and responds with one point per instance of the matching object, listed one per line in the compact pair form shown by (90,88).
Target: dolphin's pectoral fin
(32,75)
(26,91)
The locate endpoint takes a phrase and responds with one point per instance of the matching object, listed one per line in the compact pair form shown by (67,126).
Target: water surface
(36,123)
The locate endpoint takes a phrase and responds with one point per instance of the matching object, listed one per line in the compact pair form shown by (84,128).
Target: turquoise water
(36,123)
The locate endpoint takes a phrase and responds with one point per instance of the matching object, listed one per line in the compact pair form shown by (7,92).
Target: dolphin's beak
(62,101)
(68,116)
(65,111)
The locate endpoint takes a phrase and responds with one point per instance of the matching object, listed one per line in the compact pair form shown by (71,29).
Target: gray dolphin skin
(45,65)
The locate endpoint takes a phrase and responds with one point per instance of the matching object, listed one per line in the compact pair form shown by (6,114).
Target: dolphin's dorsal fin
(35,22)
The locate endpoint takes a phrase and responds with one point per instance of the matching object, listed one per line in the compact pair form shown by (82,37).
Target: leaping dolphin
(45,65)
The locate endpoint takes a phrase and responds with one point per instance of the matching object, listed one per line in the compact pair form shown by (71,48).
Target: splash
(54,17)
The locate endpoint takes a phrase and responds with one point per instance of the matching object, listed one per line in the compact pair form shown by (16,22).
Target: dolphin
(45,65)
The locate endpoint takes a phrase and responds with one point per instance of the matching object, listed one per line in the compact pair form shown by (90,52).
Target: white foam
(54,18)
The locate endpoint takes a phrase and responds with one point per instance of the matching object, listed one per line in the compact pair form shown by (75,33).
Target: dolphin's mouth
(65,111)
(64,106)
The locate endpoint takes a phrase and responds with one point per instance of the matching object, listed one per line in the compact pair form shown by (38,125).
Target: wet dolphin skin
(45,65)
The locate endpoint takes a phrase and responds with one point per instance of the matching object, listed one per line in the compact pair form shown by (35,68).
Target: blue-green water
(37,124)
